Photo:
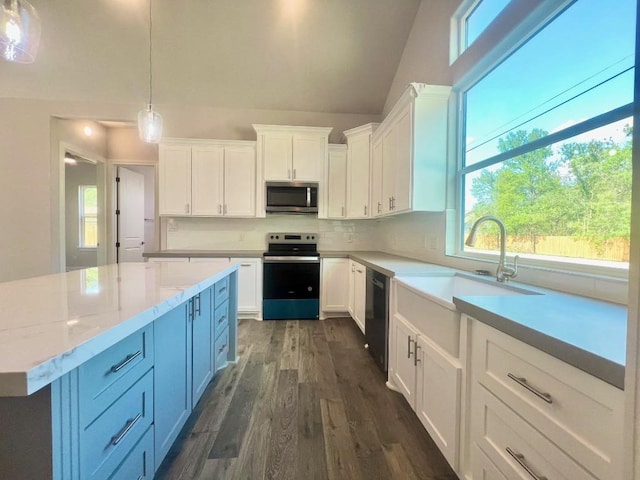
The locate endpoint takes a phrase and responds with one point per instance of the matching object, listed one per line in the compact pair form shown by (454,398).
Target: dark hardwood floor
(304,402)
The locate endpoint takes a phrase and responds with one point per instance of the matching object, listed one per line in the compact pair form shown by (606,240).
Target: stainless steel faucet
(504,272)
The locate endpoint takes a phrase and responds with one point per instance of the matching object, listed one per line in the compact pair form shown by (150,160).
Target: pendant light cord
(150,56)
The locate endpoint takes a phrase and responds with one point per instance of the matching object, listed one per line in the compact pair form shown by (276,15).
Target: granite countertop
(51,324)
(588,334)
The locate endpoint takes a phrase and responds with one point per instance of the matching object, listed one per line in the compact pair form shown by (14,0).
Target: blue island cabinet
(116,415)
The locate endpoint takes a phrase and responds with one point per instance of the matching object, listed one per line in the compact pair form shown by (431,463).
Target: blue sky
(587,44)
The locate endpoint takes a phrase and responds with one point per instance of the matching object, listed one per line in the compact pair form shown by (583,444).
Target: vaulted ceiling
(337,56)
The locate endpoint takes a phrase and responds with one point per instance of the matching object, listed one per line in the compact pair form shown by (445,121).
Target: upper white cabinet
(359,170)
(410,153)
(215,178)
(288,153)
(337,182)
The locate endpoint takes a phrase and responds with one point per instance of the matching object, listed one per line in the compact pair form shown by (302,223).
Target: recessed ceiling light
(88,131)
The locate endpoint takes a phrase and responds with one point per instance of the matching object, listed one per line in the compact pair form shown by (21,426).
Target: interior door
(131,217)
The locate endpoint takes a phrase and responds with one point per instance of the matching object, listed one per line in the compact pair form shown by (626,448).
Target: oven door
(291,288)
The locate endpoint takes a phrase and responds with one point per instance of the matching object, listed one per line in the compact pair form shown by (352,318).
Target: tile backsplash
(192,233)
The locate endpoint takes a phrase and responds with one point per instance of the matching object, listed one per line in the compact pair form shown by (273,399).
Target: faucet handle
(511,271)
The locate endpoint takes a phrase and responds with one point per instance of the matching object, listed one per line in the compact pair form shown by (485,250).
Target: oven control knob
(309,289)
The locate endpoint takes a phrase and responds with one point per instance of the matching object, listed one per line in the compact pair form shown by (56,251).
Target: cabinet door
(336,207)
(207,180)
(389,163)
(360,295)
(358,177)
(402,186)
(202,343)
(376,178)
(174,180)
(352,288)
(172,378)
(438,398)
(239,182)
(249,284)
(277,156)
(309,157)
(401,362)
(335,284)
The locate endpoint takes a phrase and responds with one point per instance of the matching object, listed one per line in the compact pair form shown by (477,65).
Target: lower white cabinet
(531,412)
(357,293)
(249,286)
(430,380)
(334,291)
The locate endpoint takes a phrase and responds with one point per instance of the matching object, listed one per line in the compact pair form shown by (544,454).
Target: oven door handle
(287,259)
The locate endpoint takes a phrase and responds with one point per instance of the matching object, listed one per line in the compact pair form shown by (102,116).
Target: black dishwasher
(376,329)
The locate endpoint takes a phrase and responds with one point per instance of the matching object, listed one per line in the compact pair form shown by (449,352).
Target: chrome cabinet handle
(342,211)
(221,349)
(186,208)
(116,439)
(127,360)
(415,356)
(294,173)
(223,289)
(409,342)
(523,382)
(222,319)
(245,264)
(365,210)
(379,206)
(522,461)
(219,209)
(197,305)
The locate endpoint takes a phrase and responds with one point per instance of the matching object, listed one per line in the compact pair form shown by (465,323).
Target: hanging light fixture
(19,31)
(149,121)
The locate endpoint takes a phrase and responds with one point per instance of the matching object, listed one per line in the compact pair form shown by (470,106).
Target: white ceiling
(336,56)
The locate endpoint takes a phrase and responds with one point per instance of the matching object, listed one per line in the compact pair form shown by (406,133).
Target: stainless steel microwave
(287,197)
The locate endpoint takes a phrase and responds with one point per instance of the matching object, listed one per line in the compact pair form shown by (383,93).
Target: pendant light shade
(149,125)
(19,31)
(149,121)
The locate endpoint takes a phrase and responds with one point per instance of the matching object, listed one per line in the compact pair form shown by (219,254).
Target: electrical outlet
(349,237)
(172,226)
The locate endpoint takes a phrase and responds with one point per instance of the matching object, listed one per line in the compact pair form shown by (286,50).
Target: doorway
(84,219)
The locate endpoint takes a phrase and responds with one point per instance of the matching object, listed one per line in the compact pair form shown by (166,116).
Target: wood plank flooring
(305,402)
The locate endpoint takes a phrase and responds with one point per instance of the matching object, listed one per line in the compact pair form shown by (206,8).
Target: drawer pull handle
(127,360)
(223,289)
(415,356)
(222,319)
(221,349)
(523,382)
(115,440)
(522,461)
(245,264)
(197,305)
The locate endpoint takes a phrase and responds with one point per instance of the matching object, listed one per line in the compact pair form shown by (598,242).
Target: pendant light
(19,31)
(149,121)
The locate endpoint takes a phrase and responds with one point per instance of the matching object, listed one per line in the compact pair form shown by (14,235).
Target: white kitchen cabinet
(207,178)
(423,368)
(409,153)
(357,293)
(358,170)
(249,286)
(531,410)
(334,292)
(291,153)
(337,182)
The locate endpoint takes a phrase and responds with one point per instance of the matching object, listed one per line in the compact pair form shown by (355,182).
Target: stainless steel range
(291,281)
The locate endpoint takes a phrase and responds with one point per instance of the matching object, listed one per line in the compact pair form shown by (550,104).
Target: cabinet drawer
(222,349)
(108,375)
(221,319)
(482,468)
(221,291)
(139,463)
(108,440)
(582,414)
(514,446)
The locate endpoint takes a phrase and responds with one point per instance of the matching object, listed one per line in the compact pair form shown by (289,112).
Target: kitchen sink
(442,288)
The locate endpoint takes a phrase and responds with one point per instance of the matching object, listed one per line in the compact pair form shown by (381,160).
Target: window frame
(512,28)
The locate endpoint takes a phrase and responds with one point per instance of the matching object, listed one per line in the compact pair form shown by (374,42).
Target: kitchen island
(100,368)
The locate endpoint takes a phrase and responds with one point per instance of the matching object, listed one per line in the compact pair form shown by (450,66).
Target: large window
(88,216)
(547,140)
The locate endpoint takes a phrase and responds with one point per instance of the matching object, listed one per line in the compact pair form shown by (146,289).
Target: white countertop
(49,325)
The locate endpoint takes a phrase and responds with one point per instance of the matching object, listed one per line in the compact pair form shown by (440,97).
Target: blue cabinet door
(172,376)
(202,335)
